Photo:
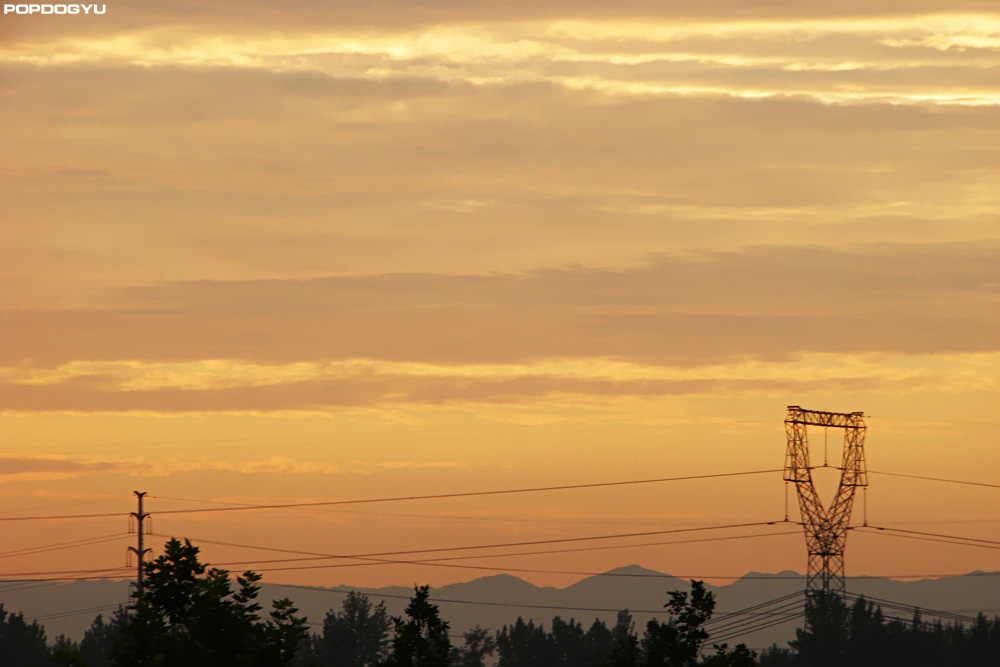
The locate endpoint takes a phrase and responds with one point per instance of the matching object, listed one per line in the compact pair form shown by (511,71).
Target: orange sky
(256,255)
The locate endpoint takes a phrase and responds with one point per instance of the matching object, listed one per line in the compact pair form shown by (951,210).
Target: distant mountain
(69,608)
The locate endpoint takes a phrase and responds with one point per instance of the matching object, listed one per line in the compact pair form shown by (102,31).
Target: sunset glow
(267,256)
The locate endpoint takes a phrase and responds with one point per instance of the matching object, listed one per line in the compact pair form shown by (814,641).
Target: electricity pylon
(825,528)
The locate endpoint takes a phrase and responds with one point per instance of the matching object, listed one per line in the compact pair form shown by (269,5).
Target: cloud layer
(765,319)
(534,142)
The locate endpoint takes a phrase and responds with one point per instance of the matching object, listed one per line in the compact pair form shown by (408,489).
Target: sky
(271,253)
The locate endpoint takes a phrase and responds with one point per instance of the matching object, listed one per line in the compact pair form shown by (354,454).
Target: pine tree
(421,637)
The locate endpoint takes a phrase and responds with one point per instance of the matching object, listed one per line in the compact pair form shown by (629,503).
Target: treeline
(862,636)
(363,635)
(188,615)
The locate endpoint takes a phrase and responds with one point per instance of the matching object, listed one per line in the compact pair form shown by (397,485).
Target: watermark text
(55,9)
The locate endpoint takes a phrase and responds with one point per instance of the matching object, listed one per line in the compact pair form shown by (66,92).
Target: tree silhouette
(567,647)
(187,614)
(356,636)
(861,636)
(740,656)
(678,642)
(624,650)
(22,644)
(824,639)
(479,643)
(98,641)
(597,644)
(522,645)
(421,637)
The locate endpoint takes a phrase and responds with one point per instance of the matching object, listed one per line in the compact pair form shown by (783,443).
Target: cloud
(762,302)
(54,468)
(24,465)
(495,147)
(359,383)
(841,61)
(566,186)
(304,17)
(401,465)
(283,465)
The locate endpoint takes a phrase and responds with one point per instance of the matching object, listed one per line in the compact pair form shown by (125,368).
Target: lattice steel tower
(825,528)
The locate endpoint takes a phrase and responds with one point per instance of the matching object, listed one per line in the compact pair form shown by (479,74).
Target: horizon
(718,583)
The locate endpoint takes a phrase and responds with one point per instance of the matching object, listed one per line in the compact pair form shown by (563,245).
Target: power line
(67,504)
(21,585)
(501,545)
(749,618)
(936,479)
(523,553)
(323,555)
(904,621)
(954,539)
(940,521)
(58,517)
(62,545)
(241,441)
(461,518)
(899,606)
(468,494)
(76,612)
(755,617)
(780,620)
(436,562)
(746,626)
(480,602)
(757,614)
(928,539)
(70,574)
(465,494)
(756,607)
(935,421)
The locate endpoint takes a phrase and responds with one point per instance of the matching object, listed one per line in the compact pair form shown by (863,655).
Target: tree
(775,656)
(566,645)
(22,644)
(678,642)
(740,656)
(624,643)
(422,637)
(187,614)
(356,636)
(522,645)
(479,643)
(99,640)
(597,642)
(823,641)
(867,644)
(65,652)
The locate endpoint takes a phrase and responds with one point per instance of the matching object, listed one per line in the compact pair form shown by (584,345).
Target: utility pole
(139,551)
(825,528)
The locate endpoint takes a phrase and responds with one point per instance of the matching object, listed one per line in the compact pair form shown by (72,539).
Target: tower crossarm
(797,415)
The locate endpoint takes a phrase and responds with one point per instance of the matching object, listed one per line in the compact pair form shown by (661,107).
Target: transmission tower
(825,528)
